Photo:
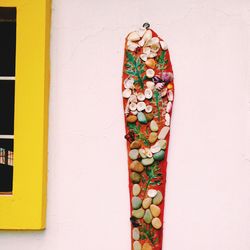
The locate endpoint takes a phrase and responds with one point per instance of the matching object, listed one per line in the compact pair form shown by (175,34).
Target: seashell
(142,153)
(141,31)
(153,41)
(146,50)
(155,148)
(150,63)
(148,153)
(150,84)
(152,55)
(152,193)
(147,35)
(126,111)
(150,73)
(140,106)
(135,112)
(132,47)
(155,47)
(163,133)
(141,97)
(168,119)
(160,85)
(126,93)
(129,83)
(164,45)
(148,93)
(133,98)
(148,109)
(169,107)
(170,95)
(134,37)
(141,42)
(132,106)
(144,57)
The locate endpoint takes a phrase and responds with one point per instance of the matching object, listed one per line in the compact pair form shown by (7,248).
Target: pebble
(136,233)
(159,156)
(140,106)
(139,213)
(153,126)
(142,118)
(147,216)
(136,202)
(162,144)
(170,95)
(148,153)
(136,166)
(152,193)
(168,119)
(146,202)
(169,107)
(133,154)
(147,161)
(155,210)
(152,137)
(131,118)
(136,189)
(149,116)
(155,148)
(136,245)
(163,133)
(126,93)
(135,145)
(135,177)
(142,153)
(146,246)
(158,198)
(156,223)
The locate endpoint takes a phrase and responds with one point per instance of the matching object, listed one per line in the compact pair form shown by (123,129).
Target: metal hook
(146,25)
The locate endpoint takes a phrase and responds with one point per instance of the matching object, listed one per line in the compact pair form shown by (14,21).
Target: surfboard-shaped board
(148,94)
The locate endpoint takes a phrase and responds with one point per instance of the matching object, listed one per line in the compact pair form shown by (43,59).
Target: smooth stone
(146,202)
(136,189)
(158,198)
(152,193)
(149,116)
(146,246)
(156,223)
(153,126)
(136,245)
(139,213)
(147,161)
(164,131)
(135,145)
(136,202)
(155,148)
(152,137)
(147,216)
(136,233)
(162,144)
(142,153)
(133,154)
(136,166)
(155,210)
(142,118)
(159,156)
(135,177)
(131,118)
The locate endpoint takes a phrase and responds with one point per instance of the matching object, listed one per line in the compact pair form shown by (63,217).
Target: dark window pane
(6,144)
(7,41)
(7,91)
(6,176)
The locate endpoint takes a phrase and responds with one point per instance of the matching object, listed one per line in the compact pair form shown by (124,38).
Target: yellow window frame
(25,209)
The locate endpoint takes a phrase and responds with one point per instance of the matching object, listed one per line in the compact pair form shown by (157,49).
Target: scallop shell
(134,36)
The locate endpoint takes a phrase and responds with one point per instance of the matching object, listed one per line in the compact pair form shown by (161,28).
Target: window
(7,96)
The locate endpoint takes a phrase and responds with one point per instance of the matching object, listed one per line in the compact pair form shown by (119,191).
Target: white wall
(208,198)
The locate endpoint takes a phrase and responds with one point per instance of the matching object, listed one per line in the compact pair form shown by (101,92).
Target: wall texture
(208,198)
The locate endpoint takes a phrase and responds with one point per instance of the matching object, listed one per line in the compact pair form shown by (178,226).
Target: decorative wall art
(24,88)
(148,94)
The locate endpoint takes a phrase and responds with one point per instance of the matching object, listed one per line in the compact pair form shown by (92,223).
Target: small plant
(161,62)
(147,232)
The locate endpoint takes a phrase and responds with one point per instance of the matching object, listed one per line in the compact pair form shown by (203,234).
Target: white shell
(164,45)
(150,84)
(140,106)
(134,112)
(169,107)
(150,73)
(146,50)
(129,83)
(141,31)
(141,97)
(152,55)
(132,106)
(170,95)
(134,36)
(148,109)
(126,93)
(148,93)
(152,193)
(141,42)
(155,148)
(133,46)
(144,57)
(133,98)
(163,133)
(155,48)
(148,35)
(153,41)
(168,119)
(148,153)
